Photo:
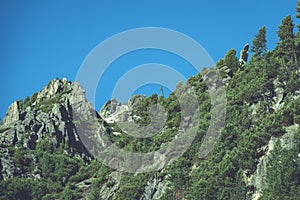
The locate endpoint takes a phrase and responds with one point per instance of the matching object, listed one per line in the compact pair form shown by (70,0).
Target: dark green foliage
(283,172)
(20,104)
(285,31)
(179,176)
(287,47)
(55,170)
(46,165)
(220,175)
(132,187)
(26,101)
(67,194)
(22,189)
(47,104)
(29,100)
(231,61)
(259,43)
(95,190)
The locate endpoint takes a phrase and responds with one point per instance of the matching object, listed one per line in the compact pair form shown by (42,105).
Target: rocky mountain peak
(46,116)
(54,87)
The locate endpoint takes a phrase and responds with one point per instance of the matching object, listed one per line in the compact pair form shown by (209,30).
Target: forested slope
(256,155)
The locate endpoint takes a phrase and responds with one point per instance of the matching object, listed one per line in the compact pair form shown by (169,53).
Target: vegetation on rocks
(256,155)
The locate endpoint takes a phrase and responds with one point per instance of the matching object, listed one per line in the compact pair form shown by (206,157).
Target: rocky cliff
(47,115)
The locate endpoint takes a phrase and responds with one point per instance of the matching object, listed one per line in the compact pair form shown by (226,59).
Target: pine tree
(282,173)
(298,9)
(286,47)
(259,43)
(297,42)
(231,61)
(285,30)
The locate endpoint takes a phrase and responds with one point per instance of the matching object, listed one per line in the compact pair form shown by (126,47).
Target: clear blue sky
(42,40)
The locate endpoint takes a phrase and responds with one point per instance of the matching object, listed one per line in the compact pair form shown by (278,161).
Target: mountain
(48,148)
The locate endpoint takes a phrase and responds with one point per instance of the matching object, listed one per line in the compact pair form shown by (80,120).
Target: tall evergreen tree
(298,9)
(285,30)
(298,26)
(231,61)
(259,43)
(286,47)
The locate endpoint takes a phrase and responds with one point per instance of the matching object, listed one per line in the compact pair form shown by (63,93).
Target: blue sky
(42,40)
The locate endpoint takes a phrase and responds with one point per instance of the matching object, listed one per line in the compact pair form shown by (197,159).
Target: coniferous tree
(282,174)
(259,43)
(298,9)
(231,61)
(286,47)
(285,30)
(297,39)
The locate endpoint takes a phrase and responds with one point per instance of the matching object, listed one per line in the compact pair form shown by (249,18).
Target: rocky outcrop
(135,99)
(12,113)
(256,181)
(107,189)
(60,113)
(7,168)
(109,108)
(55,114)
(113,110)
(110,187)
(244,55)
(226,73)
(154,189)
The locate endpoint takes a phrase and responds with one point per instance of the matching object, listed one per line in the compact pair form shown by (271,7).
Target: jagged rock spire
(244,55)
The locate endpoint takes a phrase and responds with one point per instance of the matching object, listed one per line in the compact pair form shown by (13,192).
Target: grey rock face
(257,179)
(154,189)
(7,167)
(244,55)
(12,114)
(109,108)
(107,191)
(57,114)
(114,111)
